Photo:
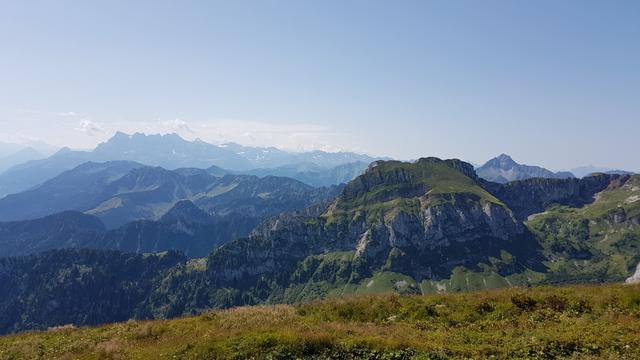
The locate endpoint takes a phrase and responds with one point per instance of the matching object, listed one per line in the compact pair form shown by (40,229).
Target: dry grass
(574,322)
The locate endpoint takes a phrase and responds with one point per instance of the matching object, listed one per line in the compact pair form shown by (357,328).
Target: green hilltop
(393,186)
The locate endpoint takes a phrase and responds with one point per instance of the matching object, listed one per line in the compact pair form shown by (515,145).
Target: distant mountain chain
(423,227)
(154,226)
(23,167)
(19,157)
(185,228)
(583,171)
(148,208)
(172,152)
(503,169)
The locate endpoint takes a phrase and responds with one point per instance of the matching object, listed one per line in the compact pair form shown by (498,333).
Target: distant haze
(554,84)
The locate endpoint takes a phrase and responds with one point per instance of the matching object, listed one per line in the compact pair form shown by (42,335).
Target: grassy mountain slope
(577,322)
(600,240)
(395,185)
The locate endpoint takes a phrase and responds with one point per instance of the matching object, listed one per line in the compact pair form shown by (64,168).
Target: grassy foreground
(577,322)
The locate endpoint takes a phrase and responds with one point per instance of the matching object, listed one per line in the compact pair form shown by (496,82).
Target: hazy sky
(554,83)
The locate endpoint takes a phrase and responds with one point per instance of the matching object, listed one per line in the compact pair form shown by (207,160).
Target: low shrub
(484,308)
(556,303)
(523,302)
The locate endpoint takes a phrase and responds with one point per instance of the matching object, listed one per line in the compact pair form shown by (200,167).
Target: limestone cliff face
(434,226)
(527,197)
(456,228)
(392,206)
(421,219)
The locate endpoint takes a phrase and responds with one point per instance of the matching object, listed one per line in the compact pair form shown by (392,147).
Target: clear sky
(554,83)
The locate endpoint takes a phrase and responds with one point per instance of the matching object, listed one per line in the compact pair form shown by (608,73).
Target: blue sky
(555,83)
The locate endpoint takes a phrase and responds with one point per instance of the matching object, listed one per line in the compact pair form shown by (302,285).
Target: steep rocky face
(527,197)
(635,278)
(600,240)
(422,210)
(454,229)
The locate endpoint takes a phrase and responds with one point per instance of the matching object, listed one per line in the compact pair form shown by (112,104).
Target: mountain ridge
(503,169)
(172,152)
(423,227)
(123,191)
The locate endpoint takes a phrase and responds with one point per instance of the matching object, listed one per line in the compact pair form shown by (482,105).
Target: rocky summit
(503,168)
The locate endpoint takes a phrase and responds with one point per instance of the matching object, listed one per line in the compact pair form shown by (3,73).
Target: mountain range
(315,175)
(19,157)
(12,154)
(123,205)
(503,169)
(25,167)
(184,228)
(172,152)
(422,227)
(41,147)
(583,171)
(118,192)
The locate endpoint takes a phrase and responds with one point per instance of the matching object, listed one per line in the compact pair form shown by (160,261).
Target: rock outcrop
(527,197)
(635,278)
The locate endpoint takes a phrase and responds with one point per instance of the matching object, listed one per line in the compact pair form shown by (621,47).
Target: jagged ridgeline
(422,227)
(400,226)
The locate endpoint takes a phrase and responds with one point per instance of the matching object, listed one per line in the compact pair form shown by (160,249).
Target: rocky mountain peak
(502,161)
(503,168)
